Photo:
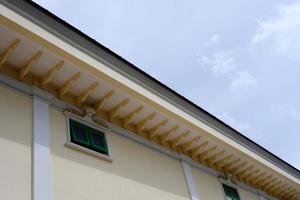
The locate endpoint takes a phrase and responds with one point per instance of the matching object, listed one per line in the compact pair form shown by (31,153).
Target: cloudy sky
(239,60)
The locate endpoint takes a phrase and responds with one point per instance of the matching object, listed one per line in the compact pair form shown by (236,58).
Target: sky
(238,60)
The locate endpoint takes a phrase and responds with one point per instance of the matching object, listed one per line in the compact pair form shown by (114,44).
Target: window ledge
(93,153)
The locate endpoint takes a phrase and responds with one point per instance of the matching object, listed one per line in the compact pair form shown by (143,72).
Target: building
(80,122)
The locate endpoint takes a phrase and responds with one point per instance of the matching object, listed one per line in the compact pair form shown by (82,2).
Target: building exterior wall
(137,172)
(15,143)
(208,186)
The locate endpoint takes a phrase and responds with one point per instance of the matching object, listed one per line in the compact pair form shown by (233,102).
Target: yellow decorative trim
(114,111)
(197,150)
(99,104)
(141,125)
(249,175)
(264,181)
(203,154)
(291,193)
(277,188)
(213,157)
(236,168)
(84,95)
(26,68)
(239,174)
(271,185)
(164,136)
(8,51)
(51,72)
(129,117)
(256,178)
(280,189)
(66,86)
(153,131)
(178,140)
(220,163)
(188,144)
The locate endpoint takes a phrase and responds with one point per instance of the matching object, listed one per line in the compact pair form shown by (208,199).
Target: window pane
(231,193)
(98,141)
(79,133)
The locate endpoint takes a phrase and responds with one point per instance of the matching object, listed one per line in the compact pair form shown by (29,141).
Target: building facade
(80,122)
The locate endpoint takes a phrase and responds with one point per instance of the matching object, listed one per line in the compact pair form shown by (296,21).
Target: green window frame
(230,192)
(88,137)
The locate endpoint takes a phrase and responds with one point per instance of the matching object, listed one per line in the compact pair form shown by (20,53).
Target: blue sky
(239,60)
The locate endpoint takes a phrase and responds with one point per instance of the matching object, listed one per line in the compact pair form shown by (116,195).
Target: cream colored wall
(208,186)
(15,145)
(246,195)
(137,172)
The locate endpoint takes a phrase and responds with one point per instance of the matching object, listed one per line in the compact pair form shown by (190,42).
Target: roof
(46,19)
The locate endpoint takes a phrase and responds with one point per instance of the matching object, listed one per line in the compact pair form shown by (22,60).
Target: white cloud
(215,39)
(233,122)
(220,62)
(222,65)
(285,110)
(282,32)
(242,79)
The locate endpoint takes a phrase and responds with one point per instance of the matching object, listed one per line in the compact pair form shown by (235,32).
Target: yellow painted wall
(208,186)
(137,172)
(15,143)
(246,195)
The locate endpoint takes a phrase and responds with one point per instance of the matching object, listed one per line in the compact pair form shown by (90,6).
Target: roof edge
(49,21)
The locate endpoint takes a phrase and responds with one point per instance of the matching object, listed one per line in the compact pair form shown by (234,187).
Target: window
(230,193)
(88,137)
